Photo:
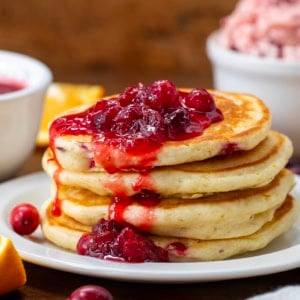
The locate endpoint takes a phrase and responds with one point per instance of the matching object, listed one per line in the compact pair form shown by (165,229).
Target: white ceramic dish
(275,81)
(283,254)
(20,111)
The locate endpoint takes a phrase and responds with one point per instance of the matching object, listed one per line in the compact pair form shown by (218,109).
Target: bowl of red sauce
(23,84)
(256,50)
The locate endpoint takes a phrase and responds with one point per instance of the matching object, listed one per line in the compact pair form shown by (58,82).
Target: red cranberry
(112,240)
(83,243)
(134,247)
(167,93)
(24,218)
(200,100)
(141,95)
(105,113)
(174,122)
(90,292)
(132,94)
(180,123)
(138,122)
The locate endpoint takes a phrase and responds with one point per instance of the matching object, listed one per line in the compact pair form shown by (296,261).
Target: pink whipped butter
(268,28)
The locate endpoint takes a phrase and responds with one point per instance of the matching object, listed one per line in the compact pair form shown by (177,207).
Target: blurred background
(115,43)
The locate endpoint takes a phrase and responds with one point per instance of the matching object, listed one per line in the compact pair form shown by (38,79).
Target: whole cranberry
(166,92)
(90,292)
(138,122)
(103,117)
(24,218)
(132,94)
(84,242)
(200,100)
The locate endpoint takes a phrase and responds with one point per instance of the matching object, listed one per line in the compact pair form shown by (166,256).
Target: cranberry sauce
(117,185)
(10,85)
(119,242)
(56,207)
(146,199)
(177,248)
(128,130)
(229,148)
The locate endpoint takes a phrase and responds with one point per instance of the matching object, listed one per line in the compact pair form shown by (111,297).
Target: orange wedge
(12,272)
(64,96)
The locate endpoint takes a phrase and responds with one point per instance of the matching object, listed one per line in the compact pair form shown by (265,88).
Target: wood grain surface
(86,40)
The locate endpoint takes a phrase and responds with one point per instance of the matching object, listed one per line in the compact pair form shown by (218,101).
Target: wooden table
(44,283)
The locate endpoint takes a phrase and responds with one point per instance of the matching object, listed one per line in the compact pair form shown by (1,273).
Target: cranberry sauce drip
(128,130)
(56,207)
(143,182)
(115,241)
(229,148)
(177,248)
(10,85)
(117,184)
(147,199)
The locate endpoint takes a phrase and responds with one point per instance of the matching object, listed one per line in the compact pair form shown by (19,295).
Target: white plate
(283,254)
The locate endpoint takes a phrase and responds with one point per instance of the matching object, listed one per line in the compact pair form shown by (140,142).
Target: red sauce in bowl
(10,85)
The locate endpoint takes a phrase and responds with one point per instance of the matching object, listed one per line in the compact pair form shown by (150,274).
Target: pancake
(246,123)
(243,169)
(65,232)
(198,250)
(222,215)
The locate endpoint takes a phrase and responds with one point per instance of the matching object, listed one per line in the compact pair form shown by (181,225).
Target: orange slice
(12,271)
(61,97)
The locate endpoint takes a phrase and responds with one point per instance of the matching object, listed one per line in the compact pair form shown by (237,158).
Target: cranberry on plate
(24,218)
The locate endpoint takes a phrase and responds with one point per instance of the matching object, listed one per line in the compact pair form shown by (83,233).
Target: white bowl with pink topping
(257,51)
(23,84)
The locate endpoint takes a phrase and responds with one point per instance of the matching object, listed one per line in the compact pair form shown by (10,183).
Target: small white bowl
(275,81)
(20,111)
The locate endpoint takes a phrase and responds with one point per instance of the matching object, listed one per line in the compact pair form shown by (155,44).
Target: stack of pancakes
(222,193)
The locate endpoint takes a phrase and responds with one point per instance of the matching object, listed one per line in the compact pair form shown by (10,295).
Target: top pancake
(246,123)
